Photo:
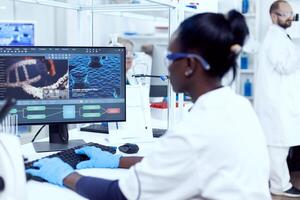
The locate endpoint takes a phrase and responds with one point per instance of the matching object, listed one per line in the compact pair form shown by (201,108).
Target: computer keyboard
(158,132)
(96,128)
(69,156)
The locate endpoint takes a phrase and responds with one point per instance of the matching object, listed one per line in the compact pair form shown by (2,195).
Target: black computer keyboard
(96,128)
(69,156)
(158,132)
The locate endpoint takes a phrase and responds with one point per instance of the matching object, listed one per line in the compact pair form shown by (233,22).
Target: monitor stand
(58,140)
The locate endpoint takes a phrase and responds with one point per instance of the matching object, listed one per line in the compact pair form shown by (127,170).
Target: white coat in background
(217,152)
(142,64)
(277,90)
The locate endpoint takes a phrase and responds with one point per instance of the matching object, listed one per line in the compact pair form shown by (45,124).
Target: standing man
(277,96)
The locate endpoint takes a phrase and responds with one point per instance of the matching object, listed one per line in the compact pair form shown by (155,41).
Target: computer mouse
(129,148)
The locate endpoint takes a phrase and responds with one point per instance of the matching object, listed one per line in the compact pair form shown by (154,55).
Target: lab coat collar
(213,97)
(278,28)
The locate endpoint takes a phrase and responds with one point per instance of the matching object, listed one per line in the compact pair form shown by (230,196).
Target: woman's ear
(190,68)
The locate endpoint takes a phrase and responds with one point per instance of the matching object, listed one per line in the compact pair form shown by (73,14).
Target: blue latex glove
(98,158)
(54,170)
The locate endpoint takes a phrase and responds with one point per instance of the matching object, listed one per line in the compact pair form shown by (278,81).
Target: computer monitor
(158,87)
(61,85)
(17,34)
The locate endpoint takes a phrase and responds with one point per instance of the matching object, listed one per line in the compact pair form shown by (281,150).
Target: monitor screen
(16,34)
(59,85)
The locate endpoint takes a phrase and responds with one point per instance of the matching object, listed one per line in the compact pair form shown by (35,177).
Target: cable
(163,77)
(8,104)
(37,133)
(64,133)
(139,183)
(63,138)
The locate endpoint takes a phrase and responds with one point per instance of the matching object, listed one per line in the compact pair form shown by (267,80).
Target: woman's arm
(127,162)
(90,187)
(94,188)
(71,180)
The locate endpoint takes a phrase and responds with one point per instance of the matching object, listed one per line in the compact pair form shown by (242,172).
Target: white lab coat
(142,64)
(217,152)
(277,89)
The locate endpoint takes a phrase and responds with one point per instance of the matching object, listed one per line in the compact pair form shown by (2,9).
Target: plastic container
(245,6)
(248,88)
(244,61)
(159,111)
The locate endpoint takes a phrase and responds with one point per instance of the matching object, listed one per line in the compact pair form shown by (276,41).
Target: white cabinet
(248,59)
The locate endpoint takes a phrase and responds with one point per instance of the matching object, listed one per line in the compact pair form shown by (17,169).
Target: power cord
(62,136)
(139,183)
(37,133)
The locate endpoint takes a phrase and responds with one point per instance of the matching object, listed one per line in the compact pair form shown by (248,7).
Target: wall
(264,17)
(266,21)
(81,32)
(49,26)
(50,29)
(57,26)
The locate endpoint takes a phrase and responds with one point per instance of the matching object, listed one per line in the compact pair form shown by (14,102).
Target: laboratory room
(149,99)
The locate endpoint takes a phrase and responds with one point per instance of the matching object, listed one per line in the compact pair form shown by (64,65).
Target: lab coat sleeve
(284,58)
(162,174)
(98,188)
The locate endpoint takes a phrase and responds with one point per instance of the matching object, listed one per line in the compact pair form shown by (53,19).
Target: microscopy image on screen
(16,34)
(34,77)
(97,76)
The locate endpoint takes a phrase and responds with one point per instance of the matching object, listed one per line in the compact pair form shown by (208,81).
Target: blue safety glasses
(177,56)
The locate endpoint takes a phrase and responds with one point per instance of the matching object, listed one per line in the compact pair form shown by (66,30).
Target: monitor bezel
(85,121)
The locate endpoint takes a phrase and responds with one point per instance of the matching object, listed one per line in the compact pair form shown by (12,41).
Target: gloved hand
(54,170)
(98,158)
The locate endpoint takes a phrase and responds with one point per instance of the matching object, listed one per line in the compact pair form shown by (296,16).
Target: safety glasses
(177,56)
(285,14)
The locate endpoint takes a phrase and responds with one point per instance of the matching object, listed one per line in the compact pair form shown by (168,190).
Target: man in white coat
(277,96)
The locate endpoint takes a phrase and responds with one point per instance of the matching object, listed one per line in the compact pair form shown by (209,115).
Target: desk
(46,191)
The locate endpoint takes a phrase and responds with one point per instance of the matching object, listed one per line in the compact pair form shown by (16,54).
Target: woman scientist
(217,152)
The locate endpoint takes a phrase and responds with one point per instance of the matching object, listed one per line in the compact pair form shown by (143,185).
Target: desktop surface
(37,190)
